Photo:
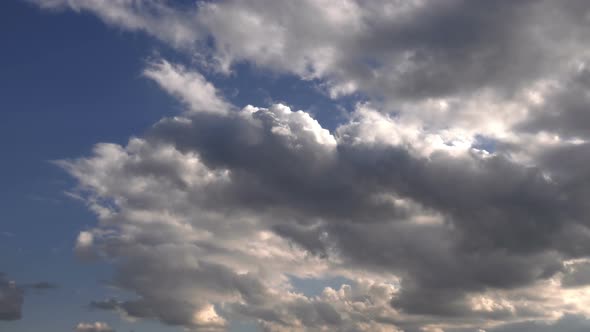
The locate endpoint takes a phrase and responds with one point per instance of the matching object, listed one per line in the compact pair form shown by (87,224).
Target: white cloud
(190,87)
(93,327)
(85,239)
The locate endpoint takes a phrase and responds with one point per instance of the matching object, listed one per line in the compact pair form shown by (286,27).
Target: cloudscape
(312,165)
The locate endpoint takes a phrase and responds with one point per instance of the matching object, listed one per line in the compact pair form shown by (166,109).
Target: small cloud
(93,327)
(110,304)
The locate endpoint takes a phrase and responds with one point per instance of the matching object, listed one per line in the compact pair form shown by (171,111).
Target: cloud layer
(453,198)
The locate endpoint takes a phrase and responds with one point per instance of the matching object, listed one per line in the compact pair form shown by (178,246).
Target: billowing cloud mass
(452,198)
(93,327)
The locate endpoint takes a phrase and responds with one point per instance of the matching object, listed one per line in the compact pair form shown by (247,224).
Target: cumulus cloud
(93,327)
(210,213)
(454,197)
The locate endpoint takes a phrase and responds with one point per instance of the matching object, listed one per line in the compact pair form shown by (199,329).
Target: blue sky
(325,165)
(54,106)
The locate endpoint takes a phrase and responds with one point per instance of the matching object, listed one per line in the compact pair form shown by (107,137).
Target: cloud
(404,49)
(190,87)
(151,16)
(11,299)
(455,66)
(93,327)
(568,323)
(455,196)
(209,214)
(561,109)
(577,274)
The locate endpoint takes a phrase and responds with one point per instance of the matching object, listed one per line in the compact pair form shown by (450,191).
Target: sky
(313,165)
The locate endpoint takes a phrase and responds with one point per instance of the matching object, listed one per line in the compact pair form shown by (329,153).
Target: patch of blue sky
(484,143)
(312,287)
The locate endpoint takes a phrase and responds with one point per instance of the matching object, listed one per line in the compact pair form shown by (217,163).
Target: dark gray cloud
(492,203)
(444,45)
(565,109)
(577,275)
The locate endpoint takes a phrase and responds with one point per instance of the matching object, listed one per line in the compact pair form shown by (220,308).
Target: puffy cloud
(83,247)
(93,327)
(208,215)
